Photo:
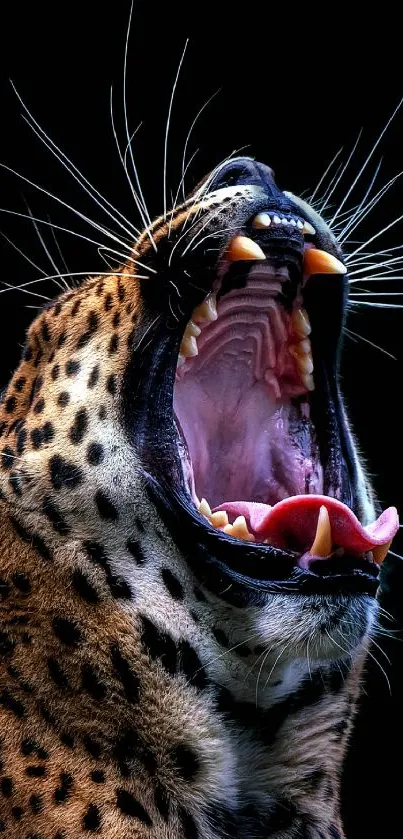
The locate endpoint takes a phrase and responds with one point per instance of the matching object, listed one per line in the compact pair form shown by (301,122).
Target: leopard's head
(192,398)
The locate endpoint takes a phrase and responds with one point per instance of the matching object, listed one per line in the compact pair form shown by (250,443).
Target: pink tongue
(292,523)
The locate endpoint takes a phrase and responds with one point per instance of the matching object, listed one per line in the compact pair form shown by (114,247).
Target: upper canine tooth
(380,552)
(241,247)
(300,323)
(207,310)
(322,544)
(308,229)
(321,262)
(262,220)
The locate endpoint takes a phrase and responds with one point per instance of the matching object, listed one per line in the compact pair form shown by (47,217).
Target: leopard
(190,545)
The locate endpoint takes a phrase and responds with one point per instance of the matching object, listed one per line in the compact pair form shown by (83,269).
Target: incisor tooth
(308,229)
(321,262)
(380,552)
(300,323)
(241,247)
(322,544)
(204,508)
(207,310)
(262,220)
(219,519)
(240,529)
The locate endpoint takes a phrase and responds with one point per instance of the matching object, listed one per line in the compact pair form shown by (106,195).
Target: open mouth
(260,434)
(256,472)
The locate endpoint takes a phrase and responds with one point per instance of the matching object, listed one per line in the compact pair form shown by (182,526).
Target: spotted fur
(135,699)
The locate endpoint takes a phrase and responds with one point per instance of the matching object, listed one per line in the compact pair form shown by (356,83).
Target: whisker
(349,333)
(43,243)
(167,128)
(185,168)
(319,184)
(365,164)
(344,169)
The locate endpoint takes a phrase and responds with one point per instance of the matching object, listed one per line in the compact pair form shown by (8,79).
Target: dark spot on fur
(111,384)
(199,595)
(102,412)
(45,331)
(84,587)
(63,791)
(35,771)
(63,399)
(91,683)
(61,339)
(52,512)
(4,588)
(79,427)
(95,453)
(10,404)
(39,406)
(135,549)
(106,508)
(92,747)
(36,803)
(92,818)
(28,354)
(159,645)
(67,632)
(113,344)
(6,786)
(116,320)
(55,371)
(22,582)
(10,703)
(108,302)
(93,377)
(92,321)
(191,665)
(17,813)
(185,760)
(161,800)
(36,438)
(57,309)
(172,583)
(72,367)
(63,473)
(7,458)
(57,674)
(189,829)
(67,740)
(98,776)
(75,307)
(21,440)
(129,806)
(125,674)
(220,636)
(20,383)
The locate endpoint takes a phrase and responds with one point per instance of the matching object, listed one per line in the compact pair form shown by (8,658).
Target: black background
(294,88)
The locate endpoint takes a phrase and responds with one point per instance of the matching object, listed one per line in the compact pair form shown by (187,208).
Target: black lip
(228,565)
(235,569)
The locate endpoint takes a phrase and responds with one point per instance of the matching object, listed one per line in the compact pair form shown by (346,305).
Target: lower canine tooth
(380,552)
(322,544)
(308,229)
